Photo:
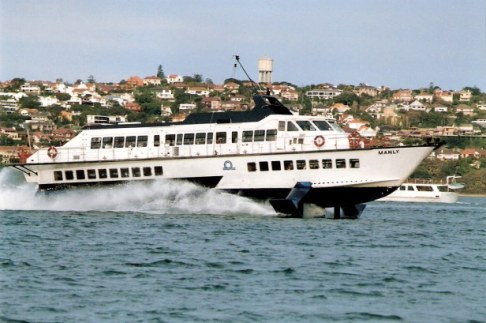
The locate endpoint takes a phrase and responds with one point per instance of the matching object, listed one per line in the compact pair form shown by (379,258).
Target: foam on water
(161,196)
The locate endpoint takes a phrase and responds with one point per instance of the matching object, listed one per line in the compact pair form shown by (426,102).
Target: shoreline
(472,195)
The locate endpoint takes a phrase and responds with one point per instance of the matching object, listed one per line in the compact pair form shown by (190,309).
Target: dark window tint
(327,163)
(179,139)
(252,167)
(271,135)
(263,166)
(220,137)
(259,135)
(210,138)
(158,171)
(142,141)
(300,164)
(119,142)
(58,176)
(200,138)
(113,172)
(170,140)
(91,173)
(147,171)
(102,173)
(313,164)
(354,163)
(124,172)
(130,142)
(288,164)
(107,142)
(189,139)
(247,136)
(156,140)
(135,172)
(340,163)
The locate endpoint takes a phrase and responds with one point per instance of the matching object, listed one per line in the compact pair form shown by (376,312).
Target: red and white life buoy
(52,152)
(319,141)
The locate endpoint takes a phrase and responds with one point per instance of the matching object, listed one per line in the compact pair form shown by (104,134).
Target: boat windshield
(306,125)
(335,127)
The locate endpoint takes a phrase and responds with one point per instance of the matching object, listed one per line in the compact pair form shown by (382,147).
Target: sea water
(174,252)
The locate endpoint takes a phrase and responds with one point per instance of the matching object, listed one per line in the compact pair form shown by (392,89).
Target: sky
(399,44)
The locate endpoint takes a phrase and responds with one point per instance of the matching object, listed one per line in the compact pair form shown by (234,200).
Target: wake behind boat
(426,191)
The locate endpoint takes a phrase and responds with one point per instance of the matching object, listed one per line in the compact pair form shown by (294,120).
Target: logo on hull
(228,165)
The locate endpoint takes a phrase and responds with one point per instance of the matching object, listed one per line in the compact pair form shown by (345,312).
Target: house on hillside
(174,78)
(152,80)
(425,97)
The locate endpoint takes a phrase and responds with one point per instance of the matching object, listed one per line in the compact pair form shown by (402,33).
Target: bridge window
(119,142)
(200,138)
(251,167)
(300,164)
(340,163)
(130,142)
(95,143)
(142,141)
(354,163)
(288,164)
(306,125)
(156,140)
(107,142)
(58,175)
(170,140)
(69,175)
(102,173)
(314,164)
(276,165)
(271,135)
(91,173)
(158,171)
(113,172)
(292,127)
(423,188)
(147,171)
(322,125)
(263,166)
(281,125)
(247,136)
(189,139)
(220,137)
(80,174)
(327,163)
(259,135)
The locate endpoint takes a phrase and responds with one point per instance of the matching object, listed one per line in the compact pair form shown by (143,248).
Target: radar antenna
(255,85)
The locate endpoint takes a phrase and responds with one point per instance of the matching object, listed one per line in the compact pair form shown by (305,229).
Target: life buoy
(319,141)
(52,152)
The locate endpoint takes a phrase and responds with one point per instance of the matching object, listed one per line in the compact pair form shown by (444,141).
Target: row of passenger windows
(102,173)
(199,138)
(264,166)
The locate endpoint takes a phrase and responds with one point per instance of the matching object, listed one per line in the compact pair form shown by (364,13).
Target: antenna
(255,85)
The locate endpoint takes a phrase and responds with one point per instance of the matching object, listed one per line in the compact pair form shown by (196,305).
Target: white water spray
(161,197)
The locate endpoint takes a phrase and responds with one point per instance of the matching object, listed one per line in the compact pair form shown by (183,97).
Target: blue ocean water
(166,252)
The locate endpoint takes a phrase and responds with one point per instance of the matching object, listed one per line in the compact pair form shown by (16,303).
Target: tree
(91,79)
(16,83)
(160,72)
(30,102)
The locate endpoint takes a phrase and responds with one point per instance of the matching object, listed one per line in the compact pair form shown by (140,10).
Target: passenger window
(247,136)
(251,167)
(147,171)
(271,135)
(189,139)
(95,143)
(158,171)
(69,175)
(170,140)
(58,175)
(354,163)
(200,138)
(327,163)
(276,165)
(130,142)
(142,141)
(234,137)
(119,142)
(135,171)
(210,138)
(264,166)
(91,173)
(107,142)
(314,164)
(156,140)
(340,163)
(289,164)
(300,164)
(124,172)
(113,172)
(221,137)
(80,174)
(259,135)
(281,125)
(179,139)
(102,173)
(322,125)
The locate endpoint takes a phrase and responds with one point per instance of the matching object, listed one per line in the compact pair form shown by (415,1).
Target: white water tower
(265,66)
